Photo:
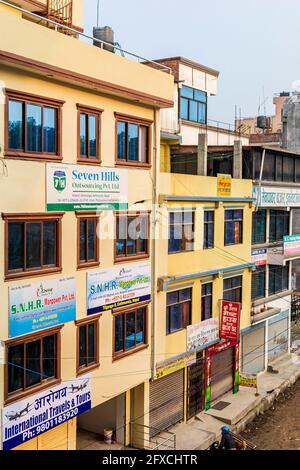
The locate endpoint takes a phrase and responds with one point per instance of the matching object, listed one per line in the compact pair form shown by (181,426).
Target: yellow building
(79,128)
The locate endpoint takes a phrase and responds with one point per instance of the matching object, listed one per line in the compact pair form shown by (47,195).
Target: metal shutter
(166,402)
(253,356)
(222,373)
(277,339)
(196,378)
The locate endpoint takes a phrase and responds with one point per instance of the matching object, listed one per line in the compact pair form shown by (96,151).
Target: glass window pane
(82,247)
(15,246)
(202,113)
(193,111)
(50,118)
(133,141)
(83,136)
(33,245)
(259,226)
(200,96)
(184,108)
(91,240)
(172,297)
(119,333)
(82,346)
(33,363)
(140,327)
(288,169)
(121,236)
(93,136)
(187,92)
(49,354)
(34,127)
(15,125)
(143,144)
(121,140)
(185,294)
(15,368)
(176,317)
(49,244)
(91,343)
(130,330)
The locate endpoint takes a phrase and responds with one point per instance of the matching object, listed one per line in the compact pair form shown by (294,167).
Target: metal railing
(61,11)
(59,27)
(149,438)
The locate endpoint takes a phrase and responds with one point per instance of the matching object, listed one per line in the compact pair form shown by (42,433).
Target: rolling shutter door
(222,373)
(166,402)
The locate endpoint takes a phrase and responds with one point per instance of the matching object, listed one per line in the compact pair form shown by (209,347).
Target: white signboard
(259,256)
(37,414)
(269,196)
(82,187)
(202,333)
(117,287)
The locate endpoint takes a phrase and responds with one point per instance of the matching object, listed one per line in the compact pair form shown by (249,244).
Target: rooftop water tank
(105,34)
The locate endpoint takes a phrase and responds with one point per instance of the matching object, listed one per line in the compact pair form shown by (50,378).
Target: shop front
(196,386)
(222,370)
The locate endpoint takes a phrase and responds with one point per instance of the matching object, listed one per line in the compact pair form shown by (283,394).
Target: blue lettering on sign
(104,287)
(107,176)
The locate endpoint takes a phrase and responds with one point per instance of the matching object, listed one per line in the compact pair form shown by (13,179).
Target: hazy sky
(255,44)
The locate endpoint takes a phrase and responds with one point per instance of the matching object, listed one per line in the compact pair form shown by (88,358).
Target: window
(179,310)
(87,344)
(88,243)
(33,126)
(33,362)
(259,224)
(133,141)
(232,289)
(32,244)
(181,231)
(258,290)
(132,236)
(130,330)
(206,301)
(278,279)
(193,105)
(233,227)
(209,224)
(89,134)
(279,225)
(269,167)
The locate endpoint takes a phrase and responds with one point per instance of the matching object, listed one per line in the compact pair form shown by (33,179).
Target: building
(78,140)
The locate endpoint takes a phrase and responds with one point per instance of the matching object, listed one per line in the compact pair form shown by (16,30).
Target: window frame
(184,241)
(140,255)
(275,215)
(31,218)
(272,268)
(84,323)
(25,99)
(197,101)
(241,224)
(261,271)
(234,288)
(257,218)
(88,216)
(123,311)
(210,296)
(127,119)
(46,383)
(206,225)
(97,113)
(184,322)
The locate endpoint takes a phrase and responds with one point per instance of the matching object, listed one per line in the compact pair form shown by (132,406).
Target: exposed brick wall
(172,64)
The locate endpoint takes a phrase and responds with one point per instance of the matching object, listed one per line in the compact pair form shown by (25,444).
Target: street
(279,427)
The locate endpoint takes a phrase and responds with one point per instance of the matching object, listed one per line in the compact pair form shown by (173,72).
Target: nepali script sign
(40,305)
(118,287)
(79,188)
(230,320)
(37,414)
(202,334)
(291,244)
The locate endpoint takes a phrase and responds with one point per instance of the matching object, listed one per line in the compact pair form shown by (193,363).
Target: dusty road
(279,427)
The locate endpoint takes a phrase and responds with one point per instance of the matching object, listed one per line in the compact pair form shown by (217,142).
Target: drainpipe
(155,167)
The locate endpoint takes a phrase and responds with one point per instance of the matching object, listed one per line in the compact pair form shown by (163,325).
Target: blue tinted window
(92,135)
(200,96)
(184,108)
(34,128)
(201,113)
(193,104)
(121,140)
(193,111)
(83,138)
(187,92)
(15,125)
(133,142)
(50,130)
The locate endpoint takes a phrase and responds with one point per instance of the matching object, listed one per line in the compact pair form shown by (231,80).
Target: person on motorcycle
(227,441)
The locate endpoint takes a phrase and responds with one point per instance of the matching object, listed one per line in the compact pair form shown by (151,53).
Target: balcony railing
(61,11)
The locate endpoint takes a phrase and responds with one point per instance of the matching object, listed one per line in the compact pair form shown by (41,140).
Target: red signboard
(230,320)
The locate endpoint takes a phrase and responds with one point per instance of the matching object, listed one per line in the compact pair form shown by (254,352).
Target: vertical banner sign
(39,305)
(224,185)
(37,414)
(230,314)
(79,188)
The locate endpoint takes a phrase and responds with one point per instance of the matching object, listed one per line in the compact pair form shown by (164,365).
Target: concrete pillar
(140,415)
(238,159)
(202,155)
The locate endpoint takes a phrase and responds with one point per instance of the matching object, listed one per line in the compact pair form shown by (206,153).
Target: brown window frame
(123,311)
(85,322)
(46,383)
(140,255)
(89,111)
(29,218)
(187,318)
(87,216)
(42,101)
(127,119)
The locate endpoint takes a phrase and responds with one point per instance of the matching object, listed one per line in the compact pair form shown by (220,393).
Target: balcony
(288,251)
